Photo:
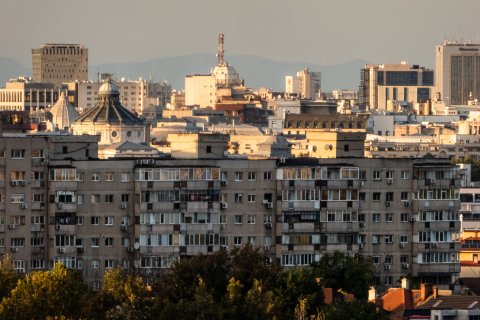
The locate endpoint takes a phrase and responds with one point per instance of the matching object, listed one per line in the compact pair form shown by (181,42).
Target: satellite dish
(136,245)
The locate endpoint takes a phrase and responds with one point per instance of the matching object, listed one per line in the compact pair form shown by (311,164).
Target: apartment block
(60,204)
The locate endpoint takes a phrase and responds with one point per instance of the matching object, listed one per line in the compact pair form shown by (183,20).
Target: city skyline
(323,33)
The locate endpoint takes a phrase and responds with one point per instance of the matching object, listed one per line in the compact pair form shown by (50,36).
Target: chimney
(372,294)
(425,290)
(327,295)
(405,284)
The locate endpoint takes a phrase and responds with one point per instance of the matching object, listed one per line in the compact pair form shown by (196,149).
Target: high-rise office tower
(60,63)
(306,84)
(458,71)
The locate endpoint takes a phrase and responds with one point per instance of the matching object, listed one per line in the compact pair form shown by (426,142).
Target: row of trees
(235,285)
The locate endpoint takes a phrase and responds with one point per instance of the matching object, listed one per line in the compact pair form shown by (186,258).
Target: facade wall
(60,63)
(145,214)
(200,90)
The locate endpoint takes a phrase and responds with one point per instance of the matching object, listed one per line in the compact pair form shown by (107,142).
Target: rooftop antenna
(220,50)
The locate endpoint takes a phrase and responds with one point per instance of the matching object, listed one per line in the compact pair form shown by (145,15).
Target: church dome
(63,113)
(109,110)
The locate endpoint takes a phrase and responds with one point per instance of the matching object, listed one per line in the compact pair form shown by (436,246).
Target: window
(109,264)
(388,259)
(404,217)
(37,241)
(64,240)
(95,198)
(252,240)
(331,216)
(209,149)
(18,153)
(376,260)
(95,263)
(390,174)
(251,198)
(389,238)
(251,219)
(238,176)
(80,176)
(361,217)
(267,175)
(238,219)
(237,241)
(109,221)
(94,220)
(403,259)
(223,218)
(404,196)
(109,176)
(125,176)
(95,176)
(347,216)
(37,219)
(389,196)
(238,197)
(95,242)
(109,198)
(37,153)
(17,198)
(252,176)
(376,196)
(80,199)
(403,239)
(80,220)
(404,174)
(389,217)
(376,217)
(376,239)
(17,242)
(376,175)
(108,242)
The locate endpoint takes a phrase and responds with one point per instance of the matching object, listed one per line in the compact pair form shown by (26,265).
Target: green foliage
(44,294)
(351,274)
(235,285)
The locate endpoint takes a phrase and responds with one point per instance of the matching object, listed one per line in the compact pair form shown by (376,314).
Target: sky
(324,32)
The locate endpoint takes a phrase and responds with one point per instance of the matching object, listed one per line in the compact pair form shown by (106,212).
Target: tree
(355,310)
(8,276)
(44,294)
(351,274)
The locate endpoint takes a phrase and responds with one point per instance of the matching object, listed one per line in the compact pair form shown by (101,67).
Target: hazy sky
(316,31)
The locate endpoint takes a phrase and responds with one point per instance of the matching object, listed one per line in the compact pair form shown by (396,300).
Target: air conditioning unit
(406,204)
(57,227)
(268,225)
(59,205)
(14,249)
(362,183)
(402,245)
(433,245)
(12,226)
(123,205)
(13,183)
(388,203)
(223,183)
(124,227)
(224,205)
(266,248)
(130,249)
(265,201)
(361,246)
(61,250)
(24,206)
(412,219)
(23,183)
(389,181)
(282,160)
(432,181)
(405,266)
(361,224)
(224,248)
(388,266)
(269,205)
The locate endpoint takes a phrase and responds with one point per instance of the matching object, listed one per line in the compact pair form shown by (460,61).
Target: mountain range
(256,71)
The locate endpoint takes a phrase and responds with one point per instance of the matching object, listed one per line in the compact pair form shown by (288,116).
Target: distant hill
(256,71)
(9,69)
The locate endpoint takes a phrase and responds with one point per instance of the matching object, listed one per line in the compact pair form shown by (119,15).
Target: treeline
(235,285)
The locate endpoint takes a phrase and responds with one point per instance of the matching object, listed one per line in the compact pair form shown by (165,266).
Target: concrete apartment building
(60,63)
(306,84)
(61,204)
(457,71)
(394,86)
